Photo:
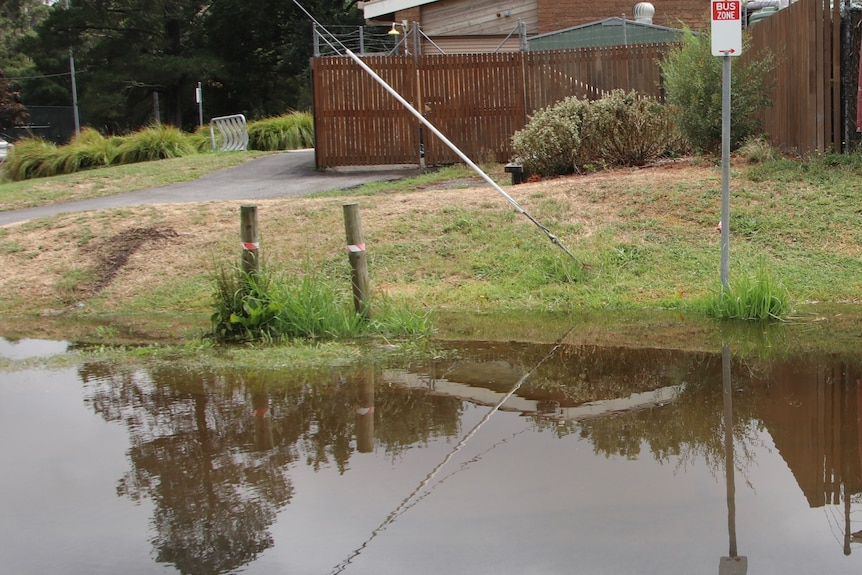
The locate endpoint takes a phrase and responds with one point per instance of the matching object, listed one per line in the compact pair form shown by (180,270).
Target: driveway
(285,175)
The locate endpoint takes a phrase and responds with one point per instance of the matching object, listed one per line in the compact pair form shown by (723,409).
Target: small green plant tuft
(757,150)
(751,297)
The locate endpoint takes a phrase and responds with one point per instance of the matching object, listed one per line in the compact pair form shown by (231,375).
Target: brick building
(481,25)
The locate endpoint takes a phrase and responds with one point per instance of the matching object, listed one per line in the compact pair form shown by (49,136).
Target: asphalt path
(285,175)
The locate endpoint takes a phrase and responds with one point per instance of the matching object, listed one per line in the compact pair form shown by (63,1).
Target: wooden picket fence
(478,101)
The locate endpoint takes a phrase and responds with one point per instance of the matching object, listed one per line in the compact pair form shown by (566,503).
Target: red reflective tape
(250,246)
(355,248)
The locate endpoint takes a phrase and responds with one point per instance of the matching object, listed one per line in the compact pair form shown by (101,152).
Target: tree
(266,49)
(251,58)
(692,78)
(127,51)
(12,111)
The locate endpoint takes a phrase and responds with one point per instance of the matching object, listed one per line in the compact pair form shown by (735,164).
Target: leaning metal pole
(455,149)
(554,239)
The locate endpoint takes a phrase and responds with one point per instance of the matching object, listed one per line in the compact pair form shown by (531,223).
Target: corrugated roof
(613,31)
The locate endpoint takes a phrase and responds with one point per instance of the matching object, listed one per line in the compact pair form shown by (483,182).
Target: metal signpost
(727,42)
(726,34)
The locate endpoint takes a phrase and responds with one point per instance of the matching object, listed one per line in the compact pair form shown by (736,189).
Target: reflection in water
(733,564)
(215,452)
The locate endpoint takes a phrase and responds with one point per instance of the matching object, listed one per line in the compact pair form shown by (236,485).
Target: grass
(642,240)
(751,296)
(270,305)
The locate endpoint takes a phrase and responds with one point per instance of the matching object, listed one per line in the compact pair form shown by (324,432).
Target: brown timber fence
(476,100)
(806,103)
(479,100)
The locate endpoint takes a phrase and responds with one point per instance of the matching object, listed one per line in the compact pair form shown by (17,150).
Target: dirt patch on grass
(113,253)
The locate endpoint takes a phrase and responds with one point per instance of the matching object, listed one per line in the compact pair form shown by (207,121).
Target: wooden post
(248,237)
(358,265)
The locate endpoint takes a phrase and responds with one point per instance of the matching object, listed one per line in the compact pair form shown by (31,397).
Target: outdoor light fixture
(394,31)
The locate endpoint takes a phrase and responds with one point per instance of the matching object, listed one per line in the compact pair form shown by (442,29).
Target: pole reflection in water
(365,412)
(414,495)
(733,564)
(263,439)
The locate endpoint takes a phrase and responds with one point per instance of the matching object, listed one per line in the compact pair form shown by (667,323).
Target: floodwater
(490,458)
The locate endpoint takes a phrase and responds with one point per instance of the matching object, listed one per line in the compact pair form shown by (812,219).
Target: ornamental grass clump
(30,158)
(87,150)
(159,142)
(292,131)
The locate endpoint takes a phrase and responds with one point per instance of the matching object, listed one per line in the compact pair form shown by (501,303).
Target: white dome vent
(643,12)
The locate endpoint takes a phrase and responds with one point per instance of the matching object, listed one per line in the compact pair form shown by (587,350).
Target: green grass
(750,296)
(651,246)
(272,305)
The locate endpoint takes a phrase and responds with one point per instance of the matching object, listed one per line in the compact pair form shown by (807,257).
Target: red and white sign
(726,27)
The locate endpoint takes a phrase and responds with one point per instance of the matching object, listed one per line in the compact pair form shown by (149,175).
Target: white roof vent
(643,12)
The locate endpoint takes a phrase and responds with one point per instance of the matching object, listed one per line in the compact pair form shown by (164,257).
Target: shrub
(289,132)
(158,142)
(621,129)
(549,143)
(631,130)
(692,79)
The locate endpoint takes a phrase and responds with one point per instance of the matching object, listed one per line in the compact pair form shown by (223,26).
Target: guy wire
(554,239)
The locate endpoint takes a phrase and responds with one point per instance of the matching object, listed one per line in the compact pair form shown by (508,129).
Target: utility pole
(74,87)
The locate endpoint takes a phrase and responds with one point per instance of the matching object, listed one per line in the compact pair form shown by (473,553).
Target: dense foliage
(621,129)
(693,80)
(134,58)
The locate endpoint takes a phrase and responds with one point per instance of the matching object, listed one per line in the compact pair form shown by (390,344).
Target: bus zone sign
(726,27)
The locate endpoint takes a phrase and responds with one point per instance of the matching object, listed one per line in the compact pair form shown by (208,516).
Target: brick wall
(558,14)
(411,15)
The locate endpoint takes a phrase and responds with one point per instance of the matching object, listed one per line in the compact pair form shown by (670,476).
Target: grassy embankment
(642,239)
